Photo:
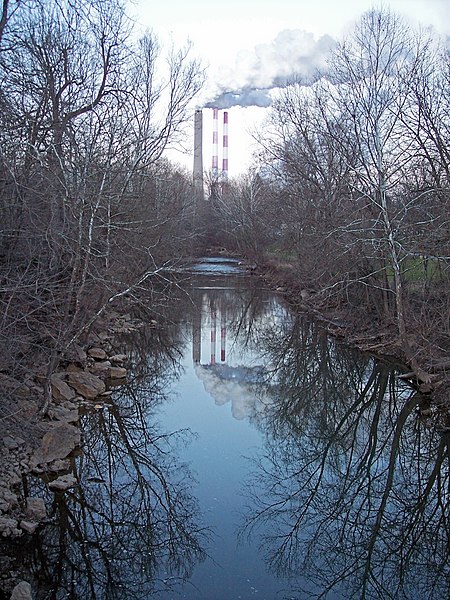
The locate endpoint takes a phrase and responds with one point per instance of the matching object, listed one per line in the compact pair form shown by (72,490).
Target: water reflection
(351,490)
(345,497)
(130,528)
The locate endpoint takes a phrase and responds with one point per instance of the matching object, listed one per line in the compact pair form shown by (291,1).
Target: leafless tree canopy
(353,185)
(88,206)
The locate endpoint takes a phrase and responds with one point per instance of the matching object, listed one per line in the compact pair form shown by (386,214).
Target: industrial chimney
(198,155)
(215,141)
(225,148)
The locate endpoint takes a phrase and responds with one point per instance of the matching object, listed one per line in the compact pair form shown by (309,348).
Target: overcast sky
(258,43)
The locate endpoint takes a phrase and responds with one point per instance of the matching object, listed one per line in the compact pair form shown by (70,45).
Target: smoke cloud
(291,55)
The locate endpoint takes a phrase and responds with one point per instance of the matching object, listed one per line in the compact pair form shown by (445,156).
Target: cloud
(243,97)
(291,55)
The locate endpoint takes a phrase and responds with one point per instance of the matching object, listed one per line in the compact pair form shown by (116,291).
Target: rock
(97,353)
(117,372)
(58,465)
(63,483)
(14,387)
(35,509)
(425,388)
(118,359)
(56,444)
(8,526)
(86,384)
(12,443)
(60,390)
(76,354)
(101,368)
(22,591)
(28,526)
(8,499)
(61,413)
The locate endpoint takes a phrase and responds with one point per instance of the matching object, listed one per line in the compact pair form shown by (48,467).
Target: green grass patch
(421,270)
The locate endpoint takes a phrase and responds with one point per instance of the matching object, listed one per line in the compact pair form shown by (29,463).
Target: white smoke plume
(292,54)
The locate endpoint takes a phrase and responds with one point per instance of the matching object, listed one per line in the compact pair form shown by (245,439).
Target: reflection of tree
(129,529)
(353,490)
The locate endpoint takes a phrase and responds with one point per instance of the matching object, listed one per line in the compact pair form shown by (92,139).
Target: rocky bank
(42,446)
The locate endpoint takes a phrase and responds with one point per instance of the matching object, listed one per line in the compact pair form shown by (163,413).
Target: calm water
(250,456)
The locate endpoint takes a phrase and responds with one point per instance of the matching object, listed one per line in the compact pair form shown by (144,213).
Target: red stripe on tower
(225,147)
(215,155)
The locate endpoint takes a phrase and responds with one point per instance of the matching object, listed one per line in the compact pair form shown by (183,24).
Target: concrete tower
(198,155)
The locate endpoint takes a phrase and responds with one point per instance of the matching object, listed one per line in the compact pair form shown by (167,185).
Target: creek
(250,455)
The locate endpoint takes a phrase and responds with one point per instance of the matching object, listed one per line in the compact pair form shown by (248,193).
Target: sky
(257,45)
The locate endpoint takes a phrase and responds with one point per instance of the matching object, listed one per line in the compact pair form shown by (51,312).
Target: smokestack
(225,147)
(215,154)
(198,155)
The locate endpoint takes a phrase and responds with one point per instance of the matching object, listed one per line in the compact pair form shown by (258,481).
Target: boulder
(61,413)
(86,384)
(8,499)
(117,372)
(97,353)
(35,509)
(63,483)
(8,526)
(60,390)
(22,591)
(12,443)
(118,359)
(14,387)
(57,444)
(28,526)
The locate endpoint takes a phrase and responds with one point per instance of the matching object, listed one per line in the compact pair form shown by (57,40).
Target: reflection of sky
(202,401)
(231,371)
(237,385)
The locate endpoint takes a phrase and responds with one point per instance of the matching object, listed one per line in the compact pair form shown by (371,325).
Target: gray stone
(35,509)
(57,443)
(97,353)
(58,465)
(101,368)
(8,498)
(14,387)
(86,384)
(63,483)
(118,359)
(117,372)
(28,526)
(60,413)
(12,443)
(8,526)
(60,390)
(22,591)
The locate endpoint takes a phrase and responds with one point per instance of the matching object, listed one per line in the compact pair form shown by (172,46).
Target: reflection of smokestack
(223,332)
(198,155)
(213,334)
(197,331)
(215,154)
(225,147)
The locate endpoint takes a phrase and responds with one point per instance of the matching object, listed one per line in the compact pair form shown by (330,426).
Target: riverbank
(42,445)
(364,331)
